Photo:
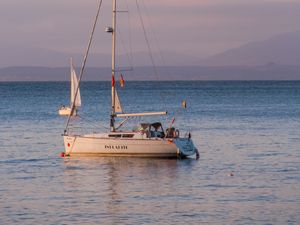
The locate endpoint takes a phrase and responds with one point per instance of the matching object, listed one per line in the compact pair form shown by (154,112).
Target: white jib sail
(74,85)
(118,107)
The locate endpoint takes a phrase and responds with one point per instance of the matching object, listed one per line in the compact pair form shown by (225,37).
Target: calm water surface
(249,129)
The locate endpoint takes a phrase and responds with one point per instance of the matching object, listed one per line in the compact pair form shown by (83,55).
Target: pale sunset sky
(194,27)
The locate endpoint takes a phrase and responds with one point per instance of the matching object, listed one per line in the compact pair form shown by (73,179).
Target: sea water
(247,133)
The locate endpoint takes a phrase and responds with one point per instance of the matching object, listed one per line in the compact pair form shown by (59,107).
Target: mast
(113,66)
(72,86)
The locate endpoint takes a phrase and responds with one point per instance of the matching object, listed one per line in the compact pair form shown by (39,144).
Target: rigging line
(156,39)
(83,65)
(164,92)
(92,123)
(162,97)
(161,55)
(128,57)
(147,41)
(122,123)
(129,33)
(125,49)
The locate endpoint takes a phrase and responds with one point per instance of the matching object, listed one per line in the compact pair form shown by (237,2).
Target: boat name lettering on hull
(115,147)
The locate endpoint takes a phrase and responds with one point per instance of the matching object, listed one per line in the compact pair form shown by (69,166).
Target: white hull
(148,147)
(66,111)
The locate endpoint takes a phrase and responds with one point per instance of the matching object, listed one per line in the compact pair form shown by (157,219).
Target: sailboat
(66,110)
(149,140)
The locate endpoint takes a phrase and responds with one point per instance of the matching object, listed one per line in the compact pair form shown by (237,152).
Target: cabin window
(127,135)
(115,135)
(121,135)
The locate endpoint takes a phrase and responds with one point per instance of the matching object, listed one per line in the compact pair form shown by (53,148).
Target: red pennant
(113,81)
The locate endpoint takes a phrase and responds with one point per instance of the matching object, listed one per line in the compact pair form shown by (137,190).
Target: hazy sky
(194,27)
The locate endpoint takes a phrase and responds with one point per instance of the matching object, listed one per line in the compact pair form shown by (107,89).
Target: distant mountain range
(283,49)
(277,58)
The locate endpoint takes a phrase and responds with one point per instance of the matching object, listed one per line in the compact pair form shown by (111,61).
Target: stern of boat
(186,147)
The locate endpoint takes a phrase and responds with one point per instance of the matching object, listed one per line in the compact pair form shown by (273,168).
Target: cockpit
(155,130)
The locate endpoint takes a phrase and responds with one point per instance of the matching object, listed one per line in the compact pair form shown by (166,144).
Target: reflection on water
(129,190)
